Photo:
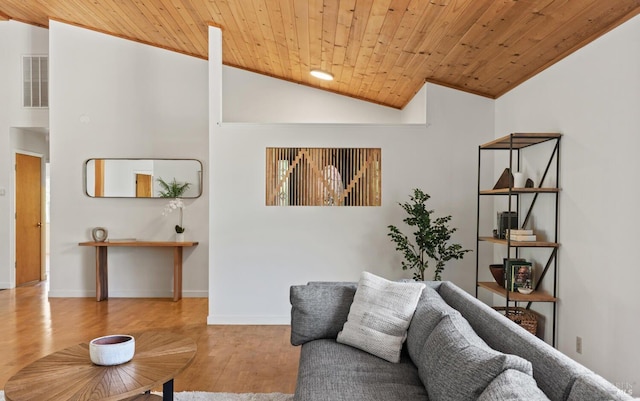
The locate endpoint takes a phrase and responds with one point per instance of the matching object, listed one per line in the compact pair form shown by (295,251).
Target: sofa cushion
(592,387)
(553,371)
(513,385)
(430,310)
(330,371)
(319,311)
(459,365)
(380,315)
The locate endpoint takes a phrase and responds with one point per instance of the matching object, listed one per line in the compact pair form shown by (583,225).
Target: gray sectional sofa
(456,348)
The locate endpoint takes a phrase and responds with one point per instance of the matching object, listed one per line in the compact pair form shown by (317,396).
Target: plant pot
(179,237)
(497,271)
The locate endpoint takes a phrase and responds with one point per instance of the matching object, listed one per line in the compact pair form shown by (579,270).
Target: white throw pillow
(380,315)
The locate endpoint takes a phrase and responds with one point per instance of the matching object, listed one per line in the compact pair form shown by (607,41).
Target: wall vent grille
(35,73)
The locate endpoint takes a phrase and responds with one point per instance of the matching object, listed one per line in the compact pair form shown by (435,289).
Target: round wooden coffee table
(69,374)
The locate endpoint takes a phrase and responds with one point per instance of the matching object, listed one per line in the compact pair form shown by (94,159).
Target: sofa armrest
(319,310)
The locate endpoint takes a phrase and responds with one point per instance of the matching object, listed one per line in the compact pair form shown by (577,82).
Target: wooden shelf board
(520,140)
(521,244)
(505,191)
(536,296)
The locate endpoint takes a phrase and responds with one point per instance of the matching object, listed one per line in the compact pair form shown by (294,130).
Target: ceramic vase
(179,237)
(519,180)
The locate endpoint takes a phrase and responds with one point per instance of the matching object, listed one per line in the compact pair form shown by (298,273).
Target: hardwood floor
(235,359)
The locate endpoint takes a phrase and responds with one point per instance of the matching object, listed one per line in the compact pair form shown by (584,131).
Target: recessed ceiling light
(327,76)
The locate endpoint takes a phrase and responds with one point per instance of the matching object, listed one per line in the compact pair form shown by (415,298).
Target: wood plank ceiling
(378,50)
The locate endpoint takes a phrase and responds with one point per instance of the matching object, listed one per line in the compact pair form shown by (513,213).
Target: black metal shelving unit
(514,143)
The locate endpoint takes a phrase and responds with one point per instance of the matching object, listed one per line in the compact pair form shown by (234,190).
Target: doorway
(29,225)
(143,186)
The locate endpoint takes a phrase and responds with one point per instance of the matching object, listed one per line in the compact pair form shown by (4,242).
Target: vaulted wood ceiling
(378,50)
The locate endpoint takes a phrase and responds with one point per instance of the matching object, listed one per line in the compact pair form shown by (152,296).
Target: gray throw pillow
(380,315)
(319,311)
(593,387)
(459,365)
(513,385)
(430,310)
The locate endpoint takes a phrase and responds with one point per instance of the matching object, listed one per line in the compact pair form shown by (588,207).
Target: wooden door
(28,219)
(98,191)
(143,186)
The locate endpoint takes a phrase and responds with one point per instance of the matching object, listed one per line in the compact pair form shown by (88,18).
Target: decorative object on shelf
(99,234)
(525,291)
(506,220)
(505,180)
(525,318)
(529,183)
(497,271)
(431,238)
(519,180)
(112,350)
(519,274)
(521,235)
(174,190)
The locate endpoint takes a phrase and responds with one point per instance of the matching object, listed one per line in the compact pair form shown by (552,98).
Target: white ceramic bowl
(525,291)
(112,350)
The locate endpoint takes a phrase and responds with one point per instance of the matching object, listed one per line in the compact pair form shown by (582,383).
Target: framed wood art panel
(323,176)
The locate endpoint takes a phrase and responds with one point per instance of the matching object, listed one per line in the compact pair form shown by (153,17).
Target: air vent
(35,73)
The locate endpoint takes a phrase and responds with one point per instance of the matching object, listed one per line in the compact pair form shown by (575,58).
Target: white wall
(286,102)
(115,98)
(257,252)
(16,40)
(593,98)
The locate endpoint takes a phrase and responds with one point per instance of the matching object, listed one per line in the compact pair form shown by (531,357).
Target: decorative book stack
(518,273)
(521,235)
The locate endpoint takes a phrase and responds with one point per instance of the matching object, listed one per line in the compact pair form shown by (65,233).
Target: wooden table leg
(177,273)
(102,276)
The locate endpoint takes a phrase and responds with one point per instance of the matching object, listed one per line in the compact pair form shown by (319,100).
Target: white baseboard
(126,294)
(248,320)
(71,294)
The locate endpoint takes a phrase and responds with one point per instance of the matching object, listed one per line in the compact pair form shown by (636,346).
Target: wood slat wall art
(323,177)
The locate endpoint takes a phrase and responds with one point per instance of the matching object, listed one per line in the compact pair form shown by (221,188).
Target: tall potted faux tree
(431,240)
(174,190)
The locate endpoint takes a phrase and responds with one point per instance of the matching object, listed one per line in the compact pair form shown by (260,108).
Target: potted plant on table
(174,190)
(432,237)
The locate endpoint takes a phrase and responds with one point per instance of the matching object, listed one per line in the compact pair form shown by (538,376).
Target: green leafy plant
(432,237)
(172,189)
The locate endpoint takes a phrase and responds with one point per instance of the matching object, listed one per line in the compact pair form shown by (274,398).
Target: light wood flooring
(235,359)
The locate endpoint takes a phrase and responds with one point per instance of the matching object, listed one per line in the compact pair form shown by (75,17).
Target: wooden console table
(102,286)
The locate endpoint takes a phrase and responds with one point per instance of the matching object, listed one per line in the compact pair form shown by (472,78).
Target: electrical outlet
(579,345)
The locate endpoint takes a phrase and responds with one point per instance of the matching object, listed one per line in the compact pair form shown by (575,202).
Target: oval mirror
(143,178)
